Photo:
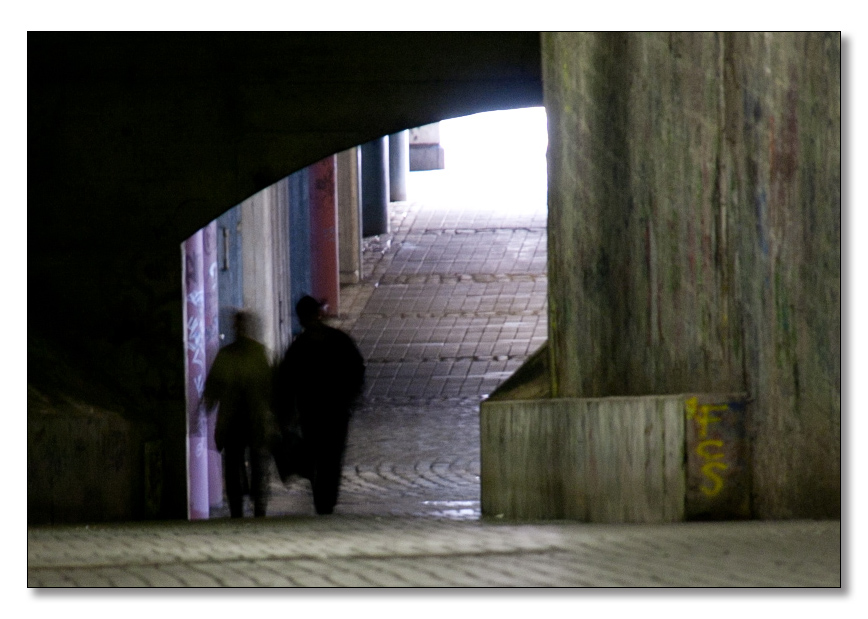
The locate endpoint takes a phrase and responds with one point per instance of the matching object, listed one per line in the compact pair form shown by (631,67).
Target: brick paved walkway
(452,303)
(368,551)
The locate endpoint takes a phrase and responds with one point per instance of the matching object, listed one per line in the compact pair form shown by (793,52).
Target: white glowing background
(493,160)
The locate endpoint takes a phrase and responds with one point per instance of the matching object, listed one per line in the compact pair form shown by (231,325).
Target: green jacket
(240,383)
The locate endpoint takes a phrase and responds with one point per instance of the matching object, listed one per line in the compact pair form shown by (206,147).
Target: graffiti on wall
(717,470)
(709,450)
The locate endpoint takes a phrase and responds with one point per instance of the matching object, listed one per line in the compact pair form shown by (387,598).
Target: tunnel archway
(147,137)
(450,302)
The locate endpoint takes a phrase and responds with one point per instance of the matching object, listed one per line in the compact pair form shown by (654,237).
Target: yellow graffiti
(710,450)
(701,449)
(702,414)
(707,470)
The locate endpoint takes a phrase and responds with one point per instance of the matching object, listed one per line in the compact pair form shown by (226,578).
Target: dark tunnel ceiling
(179,127)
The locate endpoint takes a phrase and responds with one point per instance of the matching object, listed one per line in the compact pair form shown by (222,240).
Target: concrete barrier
(85,464)
(647,459)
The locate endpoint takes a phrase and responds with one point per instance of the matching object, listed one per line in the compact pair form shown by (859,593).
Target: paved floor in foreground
(452,302)
(404,551)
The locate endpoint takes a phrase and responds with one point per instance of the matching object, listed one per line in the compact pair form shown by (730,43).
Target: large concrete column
(283,267)
(196,372)
(375,187)
(349,215)
(399,165)
(257,265)
(324,234)
(299,240)
(212,345)
(266,264)
(694,235)
(230,273)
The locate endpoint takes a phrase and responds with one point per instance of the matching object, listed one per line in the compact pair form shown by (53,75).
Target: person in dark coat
(239,383)
(317,384)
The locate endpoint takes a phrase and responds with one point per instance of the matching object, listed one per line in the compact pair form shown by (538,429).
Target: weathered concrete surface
(265,260)
(596,460)
(531,381)
(644,459)
(694,235)
(86,464)
(349,216)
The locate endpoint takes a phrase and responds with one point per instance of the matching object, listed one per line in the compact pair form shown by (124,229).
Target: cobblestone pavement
(452,302)
(401,551)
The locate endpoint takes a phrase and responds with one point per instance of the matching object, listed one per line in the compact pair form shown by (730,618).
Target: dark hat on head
(308,307)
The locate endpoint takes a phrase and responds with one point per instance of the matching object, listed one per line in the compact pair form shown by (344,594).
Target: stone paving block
(91,578)
(269,573)
(155,576)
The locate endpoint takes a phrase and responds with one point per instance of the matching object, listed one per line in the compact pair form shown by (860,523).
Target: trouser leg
(329,463)
(259,473)
(233,473)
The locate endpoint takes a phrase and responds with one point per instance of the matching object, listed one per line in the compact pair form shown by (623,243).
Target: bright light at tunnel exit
(493,160)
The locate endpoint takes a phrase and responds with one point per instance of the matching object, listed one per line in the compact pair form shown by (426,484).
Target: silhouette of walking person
(318,380)
(240,383)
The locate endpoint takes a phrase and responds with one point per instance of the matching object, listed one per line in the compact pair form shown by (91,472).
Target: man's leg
(329,464)
(233,470)
(259,486)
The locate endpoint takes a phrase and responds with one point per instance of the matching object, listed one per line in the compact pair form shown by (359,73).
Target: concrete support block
(425,150)
(196,371)
(299,240)
(531,381)
(86,464)
(324,234)
(399,165)
(266,263)
(375,187)
(212,345)
(694,212)
(229,271)
(612,460)
(349,215)
(427,157)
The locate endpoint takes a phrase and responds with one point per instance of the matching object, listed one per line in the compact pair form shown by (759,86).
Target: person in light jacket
(239,384)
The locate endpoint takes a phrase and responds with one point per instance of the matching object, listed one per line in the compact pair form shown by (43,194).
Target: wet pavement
(451,303)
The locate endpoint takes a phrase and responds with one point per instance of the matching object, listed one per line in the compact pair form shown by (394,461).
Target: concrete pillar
(349,215)
(324,234)
(399,165)
(694,235)
(258,266)
(375,187)
(196,372)
(299,241)
(282,269)
(212,345)
(266,264)
(230,272)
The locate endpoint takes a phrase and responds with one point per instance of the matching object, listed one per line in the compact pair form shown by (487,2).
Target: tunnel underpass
(451,302)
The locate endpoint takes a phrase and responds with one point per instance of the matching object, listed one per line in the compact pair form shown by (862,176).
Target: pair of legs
(235,474)
(327,444)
